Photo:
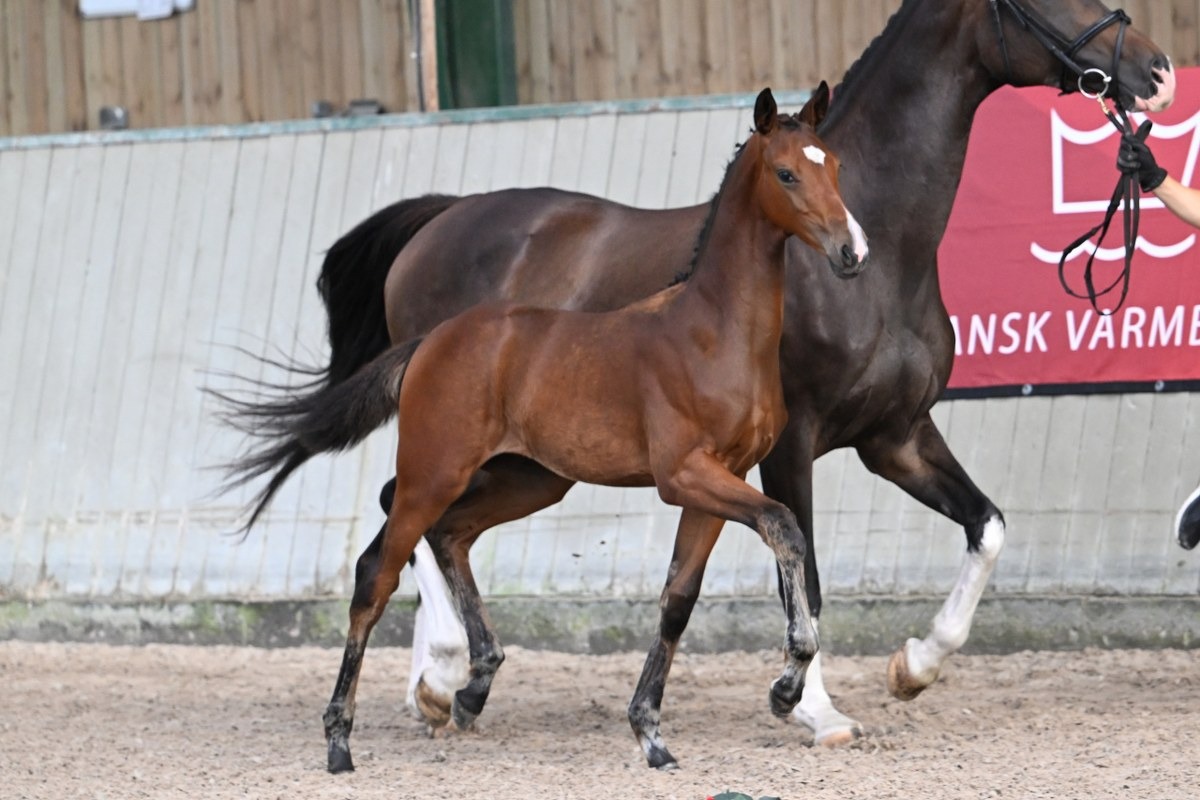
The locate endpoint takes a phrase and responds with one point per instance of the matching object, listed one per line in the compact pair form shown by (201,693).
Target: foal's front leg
(787,477)
(703,483)
(924,467)
(694,542)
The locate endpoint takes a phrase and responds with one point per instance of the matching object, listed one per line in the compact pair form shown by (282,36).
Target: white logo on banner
(1062,132)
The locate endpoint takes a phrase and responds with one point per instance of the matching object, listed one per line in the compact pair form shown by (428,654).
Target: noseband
(1091,81)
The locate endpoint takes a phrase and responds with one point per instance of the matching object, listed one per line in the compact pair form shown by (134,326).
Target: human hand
(1135,157)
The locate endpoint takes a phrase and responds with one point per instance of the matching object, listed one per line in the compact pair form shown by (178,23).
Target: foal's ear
(816,107)
(766,113)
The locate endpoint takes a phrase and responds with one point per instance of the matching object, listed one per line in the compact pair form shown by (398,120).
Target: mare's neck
(737,281)
(900,124)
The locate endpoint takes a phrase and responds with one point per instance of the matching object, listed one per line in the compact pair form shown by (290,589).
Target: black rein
(1127,192)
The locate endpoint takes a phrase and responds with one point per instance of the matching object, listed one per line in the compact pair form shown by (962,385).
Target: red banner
(1040,172)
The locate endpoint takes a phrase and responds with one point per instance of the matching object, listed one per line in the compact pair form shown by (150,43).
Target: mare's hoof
(451,729)
(829,727)
(838,737)
(339,757)
(460,717)
(432,707)
(902,684)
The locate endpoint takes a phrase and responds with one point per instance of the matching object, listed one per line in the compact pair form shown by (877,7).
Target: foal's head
(797,183)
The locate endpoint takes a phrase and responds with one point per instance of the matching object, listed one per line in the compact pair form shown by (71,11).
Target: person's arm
(1135,158)
(1183,201)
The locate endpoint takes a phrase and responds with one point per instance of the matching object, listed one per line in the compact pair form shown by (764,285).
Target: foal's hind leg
(694,542)
(925,468)
(453,663)
(703,483)
(507,488)
(417,504)
(439,646)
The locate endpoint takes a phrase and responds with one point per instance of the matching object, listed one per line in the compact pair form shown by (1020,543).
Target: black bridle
(1092,83)
(1063,49)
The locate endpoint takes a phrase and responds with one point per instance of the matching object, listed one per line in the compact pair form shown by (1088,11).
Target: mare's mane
(788,121)
(871,53)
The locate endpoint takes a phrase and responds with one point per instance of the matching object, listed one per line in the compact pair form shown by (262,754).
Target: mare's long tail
(292,427)
(352,278)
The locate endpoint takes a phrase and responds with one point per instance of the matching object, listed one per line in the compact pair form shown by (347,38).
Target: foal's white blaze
(815,154)
(953,623)
(860,238)
(439,639)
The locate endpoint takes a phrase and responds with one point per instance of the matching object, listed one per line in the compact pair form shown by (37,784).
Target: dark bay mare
(862,362)
(680,391)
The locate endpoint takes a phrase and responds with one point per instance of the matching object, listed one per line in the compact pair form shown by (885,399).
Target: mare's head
(1098,51)
(797,182)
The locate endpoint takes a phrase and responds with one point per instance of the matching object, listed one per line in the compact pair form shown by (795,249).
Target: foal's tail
(294,426)
(352,278)
(336,408)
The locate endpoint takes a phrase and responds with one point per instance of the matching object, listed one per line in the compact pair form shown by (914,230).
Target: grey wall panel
(136,272)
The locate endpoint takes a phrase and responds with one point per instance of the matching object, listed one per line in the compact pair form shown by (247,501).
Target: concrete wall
(132,266)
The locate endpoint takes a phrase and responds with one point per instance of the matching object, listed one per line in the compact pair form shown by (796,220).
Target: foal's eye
(785,175)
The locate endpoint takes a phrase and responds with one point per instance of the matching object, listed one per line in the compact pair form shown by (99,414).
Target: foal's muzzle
(848,256)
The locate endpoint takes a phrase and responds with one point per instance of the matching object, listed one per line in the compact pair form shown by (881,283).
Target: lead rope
(1127,191)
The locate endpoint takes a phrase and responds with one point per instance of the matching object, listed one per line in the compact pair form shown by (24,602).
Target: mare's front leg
(694,540)
(923,466)
(787,477)
(703,483)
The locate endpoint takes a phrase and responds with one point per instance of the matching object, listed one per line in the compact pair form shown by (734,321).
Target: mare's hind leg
(924,467)
(787,477)
(694,542)
(703,483)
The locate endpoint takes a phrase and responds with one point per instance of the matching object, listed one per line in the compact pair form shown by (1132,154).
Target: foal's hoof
(902,684)
(783,697)
(339,757)
(661,759)
(839,737)
(432,707)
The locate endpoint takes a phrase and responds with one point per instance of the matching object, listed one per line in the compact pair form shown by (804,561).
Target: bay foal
(681,391)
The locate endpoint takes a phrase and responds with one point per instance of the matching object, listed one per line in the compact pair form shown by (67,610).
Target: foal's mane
(788,121)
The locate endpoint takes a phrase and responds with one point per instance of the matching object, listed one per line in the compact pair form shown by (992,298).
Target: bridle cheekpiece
(1091,81)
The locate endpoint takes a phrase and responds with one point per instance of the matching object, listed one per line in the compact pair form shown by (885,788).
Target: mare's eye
(785,176)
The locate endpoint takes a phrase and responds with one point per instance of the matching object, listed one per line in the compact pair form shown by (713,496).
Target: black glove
(1135,157)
